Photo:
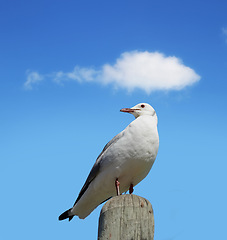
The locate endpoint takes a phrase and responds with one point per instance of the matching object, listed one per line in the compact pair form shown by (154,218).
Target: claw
(117,184)
(131,188)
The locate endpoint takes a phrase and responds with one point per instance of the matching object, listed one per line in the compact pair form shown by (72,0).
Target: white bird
(124,161)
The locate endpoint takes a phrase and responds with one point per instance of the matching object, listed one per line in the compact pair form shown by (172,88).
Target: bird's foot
(117,185)
(131,188)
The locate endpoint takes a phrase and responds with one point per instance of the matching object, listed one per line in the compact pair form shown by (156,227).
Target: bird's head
(140,110)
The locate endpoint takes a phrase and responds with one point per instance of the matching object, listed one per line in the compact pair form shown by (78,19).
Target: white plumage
(128,158)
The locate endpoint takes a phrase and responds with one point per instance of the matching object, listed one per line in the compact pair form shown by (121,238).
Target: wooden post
(126,217)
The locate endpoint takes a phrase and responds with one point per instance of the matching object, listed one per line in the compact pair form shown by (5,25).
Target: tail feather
(65,215)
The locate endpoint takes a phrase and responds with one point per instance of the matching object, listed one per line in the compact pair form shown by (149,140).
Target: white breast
(132,156)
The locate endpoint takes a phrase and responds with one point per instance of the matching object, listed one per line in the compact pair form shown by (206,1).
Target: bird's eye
(142,106)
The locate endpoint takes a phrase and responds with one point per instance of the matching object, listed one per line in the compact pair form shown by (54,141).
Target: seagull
(123,163)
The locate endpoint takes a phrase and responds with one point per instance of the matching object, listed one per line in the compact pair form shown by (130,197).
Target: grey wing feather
(113,140)
(96,167)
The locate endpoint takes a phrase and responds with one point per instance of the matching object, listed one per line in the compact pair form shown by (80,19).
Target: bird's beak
(128,110)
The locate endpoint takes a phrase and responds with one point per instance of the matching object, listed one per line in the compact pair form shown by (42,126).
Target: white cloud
(78,74)
(224,31)
(32,79)
(148,71)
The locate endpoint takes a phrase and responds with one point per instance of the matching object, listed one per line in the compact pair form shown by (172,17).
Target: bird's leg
(117,184)
(131,188)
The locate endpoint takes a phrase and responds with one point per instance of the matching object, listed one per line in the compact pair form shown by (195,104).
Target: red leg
(117,184)
(131,188)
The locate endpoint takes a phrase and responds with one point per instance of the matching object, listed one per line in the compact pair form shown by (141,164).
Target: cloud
(148,71)
(224,31)
(33,78)
(78,74)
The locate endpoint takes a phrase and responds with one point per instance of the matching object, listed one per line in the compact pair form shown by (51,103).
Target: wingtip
(65,215)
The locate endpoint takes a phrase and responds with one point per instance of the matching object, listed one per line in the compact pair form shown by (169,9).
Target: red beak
(128,110)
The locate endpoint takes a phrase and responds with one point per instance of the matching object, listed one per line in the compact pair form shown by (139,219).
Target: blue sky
(68,67)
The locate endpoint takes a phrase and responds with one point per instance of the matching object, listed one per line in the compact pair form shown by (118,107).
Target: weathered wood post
(126,217)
